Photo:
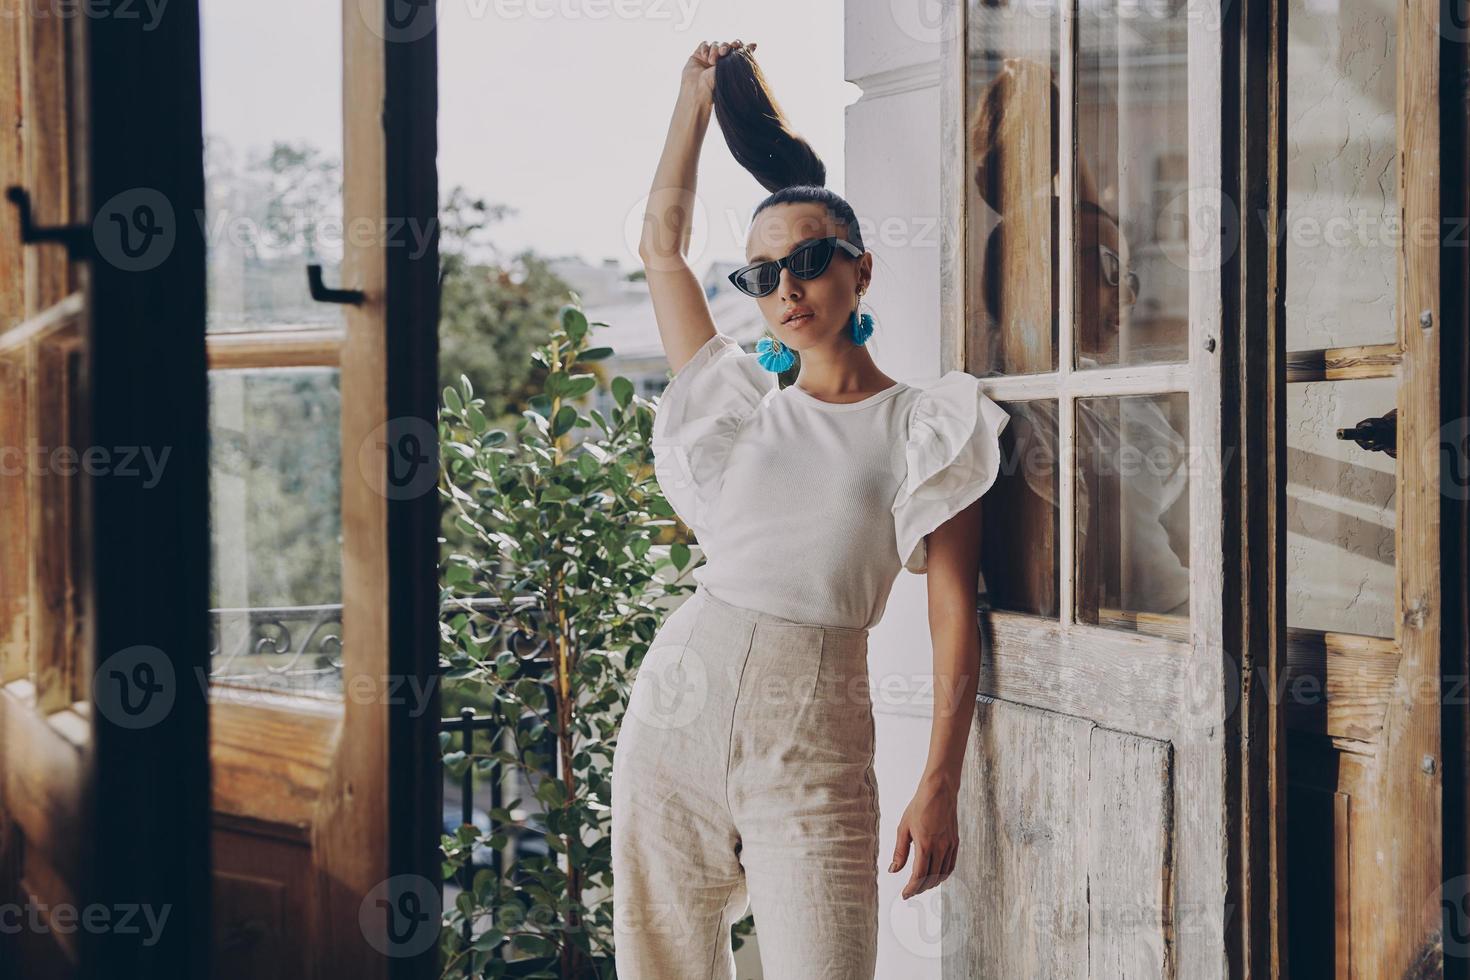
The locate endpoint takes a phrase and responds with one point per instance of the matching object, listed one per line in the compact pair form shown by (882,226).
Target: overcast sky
(557,108)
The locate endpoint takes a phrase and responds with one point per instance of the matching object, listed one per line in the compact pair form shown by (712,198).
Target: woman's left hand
(931,825)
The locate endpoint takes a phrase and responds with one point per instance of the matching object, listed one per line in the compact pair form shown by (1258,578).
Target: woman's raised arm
(679,304)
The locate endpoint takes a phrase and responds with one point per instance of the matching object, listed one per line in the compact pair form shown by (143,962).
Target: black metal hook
(324,294)
(1379,435)
(76,238)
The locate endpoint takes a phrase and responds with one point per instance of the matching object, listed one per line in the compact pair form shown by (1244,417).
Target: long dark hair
(763,142)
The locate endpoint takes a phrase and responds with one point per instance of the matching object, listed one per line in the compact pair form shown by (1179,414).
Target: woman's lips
(798,319)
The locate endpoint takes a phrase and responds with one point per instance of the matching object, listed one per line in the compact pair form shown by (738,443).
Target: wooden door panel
(1130,859)
(1065,869)
(1018,905)
(1365,749)
(1137,704)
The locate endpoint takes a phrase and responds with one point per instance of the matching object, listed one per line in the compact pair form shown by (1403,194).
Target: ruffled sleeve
(695,423)
(952,457)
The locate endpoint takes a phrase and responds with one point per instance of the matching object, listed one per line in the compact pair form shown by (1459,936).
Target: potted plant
(565,559)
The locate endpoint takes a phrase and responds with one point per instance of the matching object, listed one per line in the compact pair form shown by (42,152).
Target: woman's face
(1101,303)
(829,299)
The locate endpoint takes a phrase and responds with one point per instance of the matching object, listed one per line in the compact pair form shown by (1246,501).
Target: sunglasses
(1113,271)
(807,261)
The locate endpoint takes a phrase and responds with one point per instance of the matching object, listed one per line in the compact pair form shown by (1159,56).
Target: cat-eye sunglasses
(807,261)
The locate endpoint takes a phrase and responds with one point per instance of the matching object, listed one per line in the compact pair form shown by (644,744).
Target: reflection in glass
(1012,116)
(1133,513)
(272,161)
(1340,510)
(1132,258)
(1019,549)
(275,525)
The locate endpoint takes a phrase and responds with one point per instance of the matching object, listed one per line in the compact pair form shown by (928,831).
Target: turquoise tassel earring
(862,327)
(773,355)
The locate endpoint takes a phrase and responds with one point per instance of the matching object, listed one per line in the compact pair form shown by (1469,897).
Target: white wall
(892,160)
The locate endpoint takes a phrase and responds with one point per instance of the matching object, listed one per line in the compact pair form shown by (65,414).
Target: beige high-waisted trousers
(743,779)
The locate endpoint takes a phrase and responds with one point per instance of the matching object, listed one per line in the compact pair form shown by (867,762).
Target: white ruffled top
(808,509)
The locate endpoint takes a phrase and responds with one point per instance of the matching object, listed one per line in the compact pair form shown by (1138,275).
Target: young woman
(743,776)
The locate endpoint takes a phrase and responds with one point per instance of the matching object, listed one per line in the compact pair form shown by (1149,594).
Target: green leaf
(565,418)
(595,354)
(622,390)
(451,399)
(579,385)
(679,554)
(551,793)
(574,322)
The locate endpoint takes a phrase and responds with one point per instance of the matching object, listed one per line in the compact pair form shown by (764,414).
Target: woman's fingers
(918,880)
(901,848)
(933,863)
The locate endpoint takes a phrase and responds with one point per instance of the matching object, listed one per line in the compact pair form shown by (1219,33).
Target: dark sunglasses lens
(760,280)
(808,261)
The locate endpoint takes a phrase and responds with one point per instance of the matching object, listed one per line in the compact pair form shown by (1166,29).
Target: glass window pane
(275,497)
(1132,247)
(1341,174)
(1019,546)
(1012,164)
(272,160)
(1340,510)
(1132,499)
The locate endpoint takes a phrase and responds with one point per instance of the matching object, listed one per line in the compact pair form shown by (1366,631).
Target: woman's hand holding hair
(698,80)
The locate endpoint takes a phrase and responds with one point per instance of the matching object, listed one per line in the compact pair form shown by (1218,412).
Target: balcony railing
(298,649)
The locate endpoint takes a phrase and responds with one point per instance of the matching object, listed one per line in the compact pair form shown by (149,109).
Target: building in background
(609,296)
